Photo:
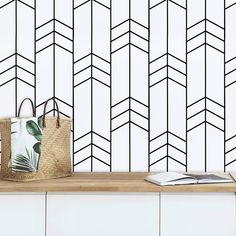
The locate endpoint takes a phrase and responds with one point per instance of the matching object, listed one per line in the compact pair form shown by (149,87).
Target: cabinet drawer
(22,214)
(102,214)
(184,214)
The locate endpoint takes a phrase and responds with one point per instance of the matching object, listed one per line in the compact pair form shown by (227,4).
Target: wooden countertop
(108,182)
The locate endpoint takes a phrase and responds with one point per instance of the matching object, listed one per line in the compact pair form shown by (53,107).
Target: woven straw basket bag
(55,160)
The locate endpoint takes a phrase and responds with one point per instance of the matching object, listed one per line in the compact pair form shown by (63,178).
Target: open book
(173,178)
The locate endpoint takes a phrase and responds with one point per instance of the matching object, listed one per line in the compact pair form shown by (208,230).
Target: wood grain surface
(108,182)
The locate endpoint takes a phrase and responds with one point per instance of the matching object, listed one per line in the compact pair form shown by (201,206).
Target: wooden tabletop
(108,182)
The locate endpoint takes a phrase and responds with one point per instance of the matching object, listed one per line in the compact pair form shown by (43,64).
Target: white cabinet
(22,214)
(99,214)
(117,214)
(198,214)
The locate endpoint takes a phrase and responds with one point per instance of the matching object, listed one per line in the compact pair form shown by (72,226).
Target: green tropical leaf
(40,122)
(22,163)
(26,164)
(33,128)
(37,148)
(38,137)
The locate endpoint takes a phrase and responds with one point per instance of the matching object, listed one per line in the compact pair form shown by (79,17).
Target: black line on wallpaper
(129,85)
(73,84)
(84,159)
(230,138)
(101,4)
(54,54)
(230,84)
(196,126)
(25,70)
(230,72)
(215,114)
(139,24)
(157,4)
(61,46)
(196,36)
(64,101)
(224,89)
(16,58)
(7,57)
(215,24)
(101,160)
(196,48)
(83,148)
(186,91)
(158,148)
(110,86)
(81,4)
(7,81)
(167,83)
(149,88)
(7,4)
(101,70)
(8,68)
(205,92)
(230,6)
(176,161)
(43,24)
(35,9)
(25,4)
(232,57)
(63,37)
(63,24)
(230,162)
(230,150)
(62,113)
(203,110)
(24,81)
(213,46)
(138,46)
(91,86)
(44,48)
(120,36)
(120,48)
(155,162)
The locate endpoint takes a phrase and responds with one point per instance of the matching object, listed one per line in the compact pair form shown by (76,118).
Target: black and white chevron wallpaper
(150,84)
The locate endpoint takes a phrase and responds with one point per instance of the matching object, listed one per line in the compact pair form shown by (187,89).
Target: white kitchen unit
(22,214)
(198,214)
(115,204)
(99,214)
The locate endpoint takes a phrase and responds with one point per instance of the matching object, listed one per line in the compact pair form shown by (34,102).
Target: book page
(210,178)
(168,177)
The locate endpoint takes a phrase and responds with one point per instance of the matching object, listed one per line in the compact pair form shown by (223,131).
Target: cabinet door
(22,214)
(198,214)
(102,214)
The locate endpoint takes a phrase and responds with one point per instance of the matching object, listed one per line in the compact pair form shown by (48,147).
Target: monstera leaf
(37,148)
(33,128)
(40,122)
(38,137)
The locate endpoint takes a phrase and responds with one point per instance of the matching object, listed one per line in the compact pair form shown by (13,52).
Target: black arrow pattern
(230,85)
(206,90)
(167,85)
(92,85)
(149,84)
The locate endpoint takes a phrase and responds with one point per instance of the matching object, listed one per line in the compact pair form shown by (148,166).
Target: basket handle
(32,105)
(57,109)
